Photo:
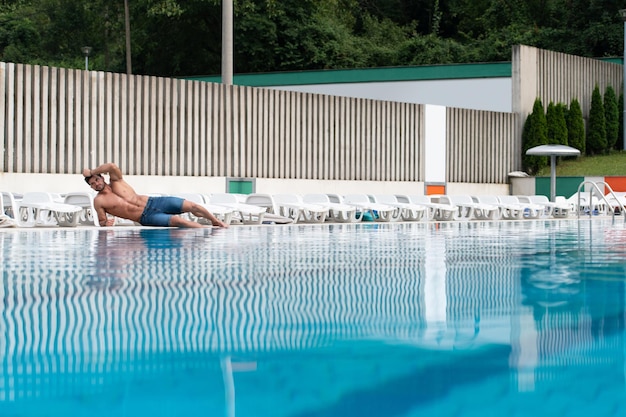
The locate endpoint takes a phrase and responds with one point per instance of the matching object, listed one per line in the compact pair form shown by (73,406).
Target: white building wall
(491,94)
(435,147)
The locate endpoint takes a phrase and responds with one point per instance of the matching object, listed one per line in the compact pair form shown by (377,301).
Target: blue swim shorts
(159,210)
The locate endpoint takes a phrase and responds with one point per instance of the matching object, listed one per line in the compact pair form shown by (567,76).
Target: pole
(86,51)
(129,66)
(227,42)
(553,178)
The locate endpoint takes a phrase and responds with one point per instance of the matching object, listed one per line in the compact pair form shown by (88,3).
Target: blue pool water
(459,319)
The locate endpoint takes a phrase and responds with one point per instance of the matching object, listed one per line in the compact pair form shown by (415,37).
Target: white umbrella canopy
(553,151)
(556,150)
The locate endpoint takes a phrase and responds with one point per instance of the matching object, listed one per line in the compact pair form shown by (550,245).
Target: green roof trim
(365,75)
(416,73)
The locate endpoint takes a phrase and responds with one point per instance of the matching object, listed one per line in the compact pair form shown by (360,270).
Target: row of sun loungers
(74,209)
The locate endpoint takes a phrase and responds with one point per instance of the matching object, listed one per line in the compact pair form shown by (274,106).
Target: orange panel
(616,183)
(435,189)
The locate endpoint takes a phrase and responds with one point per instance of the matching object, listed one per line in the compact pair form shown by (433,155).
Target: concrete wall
(565,186)
(490,94)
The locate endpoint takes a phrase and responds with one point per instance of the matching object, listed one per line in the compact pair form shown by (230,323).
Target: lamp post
(622,13)
(86,51)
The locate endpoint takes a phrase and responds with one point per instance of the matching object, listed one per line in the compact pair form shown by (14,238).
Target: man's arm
(115,173)
(102,215)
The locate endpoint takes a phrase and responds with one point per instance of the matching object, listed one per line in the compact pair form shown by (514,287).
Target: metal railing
(594,186)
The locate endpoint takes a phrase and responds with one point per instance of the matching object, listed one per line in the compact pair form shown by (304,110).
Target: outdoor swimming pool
(456,319)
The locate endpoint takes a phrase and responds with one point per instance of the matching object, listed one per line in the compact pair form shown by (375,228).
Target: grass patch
(613,164)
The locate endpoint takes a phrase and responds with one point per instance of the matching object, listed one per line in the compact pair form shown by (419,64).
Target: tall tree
(535,133)
(596,135)
(576,127)
(611,114)
(556,125)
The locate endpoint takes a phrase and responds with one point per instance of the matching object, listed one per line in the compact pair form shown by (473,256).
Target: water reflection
(125,305)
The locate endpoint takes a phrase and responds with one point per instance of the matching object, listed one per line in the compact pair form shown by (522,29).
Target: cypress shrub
(561,117)
(611,115)
(620,134)
(535,133)
(596,134)
(557,126)
(576,127)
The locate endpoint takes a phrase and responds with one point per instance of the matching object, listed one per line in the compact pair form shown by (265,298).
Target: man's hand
(86,172)
(217,222)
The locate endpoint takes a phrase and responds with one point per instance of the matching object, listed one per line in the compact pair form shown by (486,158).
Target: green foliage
(167,8)
(496,44)
(596,134)
(535,133)
(18,40)
(611,114)
(175,37)
(611,164)
(576,127)
(433,50)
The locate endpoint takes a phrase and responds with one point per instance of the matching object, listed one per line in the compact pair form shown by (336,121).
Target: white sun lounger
(408,211)
(337,211)
(223,213)
(615,201)
(435,211)
(468,209)
(267,201)
(42,209)
(596,205)
(87,214)
(510,207)
(9,205)
(379,212)
(515,209)
(242,212)
(5,220)
(551,209)
(294,207)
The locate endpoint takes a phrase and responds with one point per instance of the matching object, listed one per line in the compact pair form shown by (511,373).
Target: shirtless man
(119,199)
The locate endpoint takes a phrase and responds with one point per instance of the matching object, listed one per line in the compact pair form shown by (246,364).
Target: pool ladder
(594,186)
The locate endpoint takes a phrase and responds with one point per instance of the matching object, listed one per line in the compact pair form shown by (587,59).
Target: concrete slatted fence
(481,146)
(59,121)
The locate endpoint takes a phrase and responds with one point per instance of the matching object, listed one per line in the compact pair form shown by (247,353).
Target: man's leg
(200,211)
(177,221)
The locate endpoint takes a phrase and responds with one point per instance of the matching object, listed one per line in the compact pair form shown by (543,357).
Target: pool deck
(128,226)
